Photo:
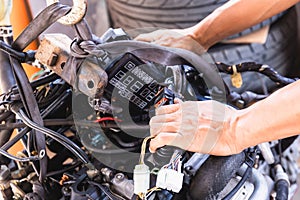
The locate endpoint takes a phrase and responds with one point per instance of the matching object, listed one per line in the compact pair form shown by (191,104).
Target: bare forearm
(235,16)
(276,117)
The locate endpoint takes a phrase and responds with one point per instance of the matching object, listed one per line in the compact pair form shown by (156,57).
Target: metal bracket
(54,51)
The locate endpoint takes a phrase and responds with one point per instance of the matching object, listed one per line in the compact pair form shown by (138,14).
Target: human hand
(175,38)
(198,126)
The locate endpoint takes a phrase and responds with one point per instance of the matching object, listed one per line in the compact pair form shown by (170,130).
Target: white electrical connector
(161,179)
(141,173)
(141,179)
(169,179)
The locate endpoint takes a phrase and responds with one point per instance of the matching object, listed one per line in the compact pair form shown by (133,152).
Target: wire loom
(47,17)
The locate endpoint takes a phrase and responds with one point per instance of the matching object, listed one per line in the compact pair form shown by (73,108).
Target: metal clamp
(75,15)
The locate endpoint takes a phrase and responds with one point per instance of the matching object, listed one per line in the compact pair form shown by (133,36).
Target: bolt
(52,60)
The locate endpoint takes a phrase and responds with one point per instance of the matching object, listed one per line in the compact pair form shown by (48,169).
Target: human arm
(214,128)
(233,17)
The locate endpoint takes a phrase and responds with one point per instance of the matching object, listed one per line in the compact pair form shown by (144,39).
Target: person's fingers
(167,109)
(156,128)
(144,38)
(163,139)
(150,37)
(164,118)
(177,101)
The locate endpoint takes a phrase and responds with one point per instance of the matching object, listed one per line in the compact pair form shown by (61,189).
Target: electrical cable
(280,150)
(15,139)
(53,173)
(107,151)
(250,162)
(57,94)
(59,138)
(45,18)
(143,149)
(47,122)
(239,185)
(104,190)
(125,144)
(12,157)
(4,102)
(56,102)
(44,80)
(263,69)
(5,115)
(21,56)
(21,134)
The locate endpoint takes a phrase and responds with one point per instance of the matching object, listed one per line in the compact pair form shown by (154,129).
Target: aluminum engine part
(256,187)
(122,185)
(243,194)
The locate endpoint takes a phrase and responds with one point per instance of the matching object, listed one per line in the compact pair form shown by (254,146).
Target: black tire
(279,52)
(131,14)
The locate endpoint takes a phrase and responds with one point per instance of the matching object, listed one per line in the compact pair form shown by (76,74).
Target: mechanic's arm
(214,128)
(233,17)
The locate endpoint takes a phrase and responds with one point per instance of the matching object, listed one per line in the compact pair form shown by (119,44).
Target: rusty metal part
(75,15)
(54,51)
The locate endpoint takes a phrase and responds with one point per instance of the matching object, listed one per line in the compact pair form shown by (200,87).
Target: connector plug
(141,179)
(169,179)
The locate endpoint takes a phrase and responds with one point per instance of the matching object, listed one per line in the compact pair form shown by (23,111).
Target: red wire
(102,119)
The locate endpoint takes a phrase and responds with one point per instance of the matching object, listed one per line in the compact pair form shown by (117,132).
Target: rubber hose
(282,189)
(214,175)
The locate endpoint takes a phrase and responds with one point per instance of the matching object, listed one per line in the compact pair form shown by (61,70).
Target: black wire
(14,140)
(59,138)
(250,160)
(47,122)
(21,134)
(105,191)
(55,93)
(108,151)
(239,185)
(4,102)
(105,151)
(280,150)
(53,173)
(126,144)
(44,80)
(56,102)
(12,157)
(5,115)
(29,102)
(21,56)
